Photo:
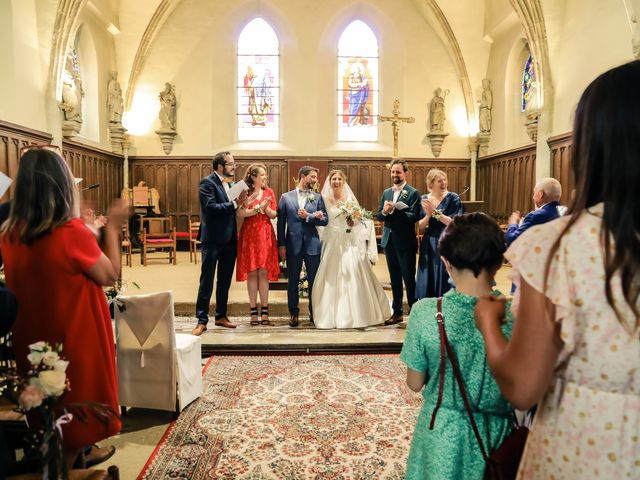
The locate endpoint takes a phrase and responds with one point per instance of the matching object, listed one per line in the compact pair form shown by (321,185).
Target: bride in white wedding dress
(346,292)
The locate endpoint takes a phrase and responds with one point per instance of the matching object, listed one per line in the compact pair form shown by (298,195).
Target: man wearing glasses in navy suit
(218,234)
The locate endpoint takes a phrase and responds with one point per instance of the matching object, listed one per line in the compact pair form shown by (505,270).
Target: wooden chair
(378,227)
(157,233)
(418,234)
(193,241)
(126,245)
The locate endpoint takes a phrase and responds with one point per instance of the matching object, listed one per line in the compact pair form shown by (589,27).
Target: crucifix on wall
(395,120)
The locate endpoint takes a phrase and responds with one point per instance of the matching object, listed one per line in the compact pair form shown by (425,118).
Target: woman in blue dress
(438,207)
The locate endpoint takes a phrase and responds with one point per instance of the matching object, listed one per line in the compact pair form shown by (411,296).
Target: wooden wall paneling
(12,138)
(561,168)
(368,177)
(505,182)
(94,165)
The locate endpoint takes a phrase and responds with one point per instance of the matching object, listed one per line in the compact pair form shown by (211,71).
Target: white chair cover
(157,368)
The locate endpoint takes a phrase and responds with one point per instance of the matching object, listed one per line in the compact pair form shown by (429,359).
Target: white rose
(52,382)
(50,358)
(37,346)
(61,365)
(35,357)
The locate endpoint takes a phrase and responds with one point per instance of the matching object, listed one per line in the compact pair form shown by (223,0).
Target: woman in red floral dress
(257,261)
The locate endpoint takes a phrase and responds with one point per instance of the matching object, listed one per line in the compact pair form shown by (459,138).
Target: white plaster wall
(22,88)
(97,60)
(593,37)
(196,48)
(505,72)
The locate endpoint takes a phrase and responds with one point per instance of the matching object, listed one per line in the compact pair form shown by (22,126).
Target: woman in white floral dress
(575,347)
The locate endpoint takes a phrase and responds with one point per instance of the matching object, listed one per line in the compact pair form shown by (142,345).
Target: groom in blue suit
(300,211)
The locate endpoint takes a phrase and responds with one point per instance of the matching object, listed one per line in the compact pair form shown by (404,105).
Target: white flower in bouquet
(50,358)
(38,346)
(353,212)
(52,382)
(61,365)
(35,358)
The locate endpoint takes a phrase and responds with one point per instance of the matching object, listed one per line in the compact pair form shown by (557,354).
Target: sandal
(254,313)
(264,312)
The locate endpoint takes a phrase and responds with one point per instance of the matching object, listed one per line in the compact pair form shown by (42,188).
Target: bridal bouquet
(352,211)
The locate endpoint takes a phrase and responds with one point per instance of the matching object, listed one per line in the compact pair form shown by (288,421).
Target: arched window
(358,84)
(258,82)
(529,85)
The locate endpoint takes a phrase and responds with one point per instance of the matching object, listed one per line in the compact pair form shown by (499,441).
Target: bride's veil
(327,192)
(367,234)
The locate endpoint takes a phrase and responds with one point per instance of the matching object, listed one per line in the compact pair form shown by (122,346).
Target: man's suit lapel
(388,194)
(293,199)
(218,183)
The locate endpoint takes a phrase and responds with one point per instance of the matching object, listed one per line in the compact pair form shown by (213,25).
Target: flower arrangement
(437,214)
(303,283)
(352,212)
(45,385)
(117,288)
(43,388)
(403,194)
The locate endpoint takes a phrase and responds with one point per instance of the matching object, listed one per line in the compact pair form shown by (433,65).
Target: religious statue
(437,110)
(168,108)
(358,95)
(72,94)
(114,99)
(486,104)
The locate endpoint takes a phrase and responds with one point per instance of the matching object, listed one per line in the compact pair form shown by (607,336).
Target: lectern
(473,206)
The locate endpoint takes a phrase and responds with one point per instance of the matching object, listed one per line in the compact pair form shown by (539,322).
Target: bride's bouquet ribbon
(62,420)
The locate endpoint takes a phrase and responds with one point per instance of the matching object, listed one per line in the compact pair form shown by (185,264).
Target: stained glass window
(258,82)
(358,84)
(529,83)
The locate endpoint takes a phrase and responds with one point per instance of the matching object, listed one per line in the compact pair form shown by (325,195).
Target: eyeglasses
(26,148)
(227,164)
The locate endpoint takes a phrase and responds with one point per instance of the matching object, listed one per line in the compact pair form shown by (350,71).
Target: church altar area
(183,278)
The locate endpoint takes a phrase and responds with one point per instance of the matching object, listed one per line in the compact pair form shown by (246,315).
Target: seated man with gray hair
(546,198)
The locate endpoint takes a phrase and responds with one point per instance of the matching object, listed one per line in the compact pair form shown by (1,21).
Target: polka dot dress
(588,423)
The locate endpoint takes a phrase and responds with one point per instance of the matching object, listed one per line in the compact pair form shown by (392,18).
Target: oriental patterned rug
(293,417)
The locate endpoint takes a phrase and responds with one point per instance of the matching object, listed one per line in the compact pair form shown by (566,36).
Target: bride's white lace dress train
(346,292)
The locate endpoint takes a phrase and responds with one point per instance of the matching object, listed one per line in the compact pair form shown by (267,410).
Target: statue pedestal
(531,124)
(167,136)
(436,138)
(70,128)
(483,143)
(116,135)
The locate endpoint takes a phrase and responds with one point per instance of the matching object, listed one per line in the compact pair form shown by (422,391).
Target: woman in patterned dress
(575,349)
(257,261)
(472,246)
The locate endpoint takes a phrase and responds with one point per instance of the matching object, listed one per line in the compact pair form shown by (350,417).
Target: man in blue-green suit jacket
(399,236)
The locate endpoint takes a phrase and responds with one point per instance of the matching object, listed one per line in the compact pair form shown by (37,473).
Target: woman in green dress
(472,248)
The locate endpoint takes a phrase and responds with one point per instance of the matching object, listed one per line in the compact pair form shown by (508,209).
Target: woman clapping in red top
(257,247)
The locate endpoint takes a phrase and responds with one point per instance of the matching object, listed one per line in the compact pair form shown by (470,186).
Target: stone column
(473,151)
